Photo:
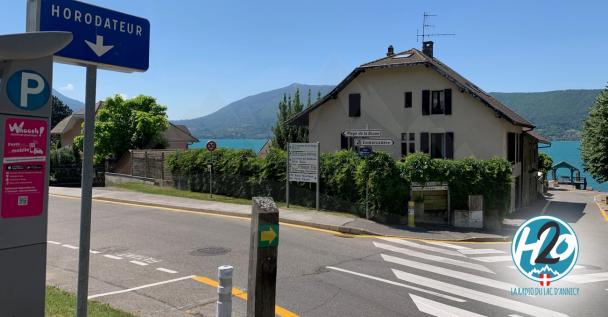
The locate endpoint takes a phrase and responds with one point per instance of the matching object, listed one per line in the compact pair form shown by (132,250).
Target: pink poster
(24,167)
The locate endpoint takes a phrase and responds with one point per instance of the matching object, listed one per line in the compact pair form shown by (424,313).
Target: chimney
(427,48)
(390,51)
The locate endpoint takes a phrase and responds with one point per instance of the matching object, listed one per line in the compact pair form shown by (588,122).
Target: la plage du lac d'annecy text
(99,21)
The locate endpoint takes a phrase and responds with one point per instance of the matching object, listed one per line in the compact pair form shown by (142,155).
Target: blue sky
(205,54)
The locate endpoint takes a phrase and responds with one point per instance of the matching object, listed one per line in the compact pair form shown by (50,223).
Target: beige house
(177,136)
(425,106)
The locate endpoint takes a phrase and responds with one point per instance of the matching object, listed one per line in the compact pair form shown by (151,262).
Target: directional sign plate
(268,236)
(374,142)
(362,133)
(102,37)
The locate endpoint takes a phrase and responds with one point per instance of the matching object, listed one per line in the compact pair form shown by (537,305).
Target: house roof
(179,133)
(564,164)
(415,57)
(538,137)
(68,123)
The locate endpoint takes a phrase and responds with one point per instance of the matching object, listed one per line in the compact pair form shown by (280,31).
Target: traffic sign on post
(211,146)
(102,37)
(374,142)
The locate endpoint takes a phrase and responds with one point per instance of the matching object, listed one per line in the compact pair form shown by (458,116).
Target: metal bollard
(224,291)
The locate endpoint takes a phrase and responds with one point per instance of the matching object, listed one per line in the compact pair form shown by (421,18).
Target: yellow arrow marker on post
(268,235)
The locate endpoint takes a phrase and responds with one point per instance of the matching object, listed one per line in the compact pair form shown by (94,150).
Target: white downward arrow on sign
(98,47)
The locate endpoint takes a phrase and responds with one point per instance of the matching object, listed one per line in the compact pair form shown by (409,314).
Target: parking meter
(26,74)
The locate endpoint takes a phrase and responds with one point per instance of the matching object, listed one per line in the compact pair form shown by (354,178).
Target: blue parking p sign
(28,90)
(102,37)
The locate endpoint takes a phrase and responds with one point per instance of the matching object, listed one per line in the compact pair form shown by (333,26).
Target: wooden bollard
(263,247)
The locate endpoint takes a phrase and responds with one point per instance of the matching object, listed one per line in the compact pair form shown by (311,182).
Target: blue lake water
(569,151)
(247,144)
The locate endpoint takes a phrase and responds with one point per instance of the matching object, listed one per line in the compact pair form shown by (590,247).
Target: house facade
(425,106)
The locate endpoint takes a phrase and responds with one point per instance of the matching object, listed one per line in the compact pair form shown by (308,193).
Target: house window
(408,143)
(354,105)
(437,102)
(408,99)
(514,147)
(439,145)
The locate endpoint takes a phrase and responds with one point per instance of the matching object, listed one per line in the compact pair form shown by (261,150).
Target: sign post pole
(287,179)
(318,186)
(87,192)
(263,251)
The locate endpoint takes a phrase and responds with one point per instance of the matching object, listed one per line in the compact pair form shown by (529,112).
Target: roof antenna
(425,25)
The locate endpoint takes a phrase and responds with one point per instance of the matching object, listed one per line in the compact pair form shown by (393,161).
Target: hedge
(344,177)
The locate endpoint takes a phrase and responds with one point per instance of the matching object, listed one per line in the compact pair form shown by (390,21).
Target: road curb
(341,229)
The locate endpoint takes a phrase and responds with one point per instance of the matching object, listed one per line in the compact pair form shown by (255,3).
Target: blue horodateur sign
(102,37)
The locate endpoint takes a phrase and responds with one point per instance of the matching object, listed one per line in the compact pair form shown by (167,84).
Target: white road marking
(515,315)
(139,263)
(166,270)
(438,309)
(476,295)
(545,207)
(69,246)
(422,246)
(480,251)
(140,287)
(448,245)
(431,257)
(94,252)
(450,273)
(491,259)
(53,242)
(113,257)
(456,299)
(587,278)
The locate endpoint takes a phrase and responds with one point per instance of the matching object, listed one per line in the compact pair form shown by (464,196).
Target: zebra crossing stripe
(491,259)
(450,273)
(587,278)
(379,279)
(423,246)
(438,309)
(480,251)
(431,257)
(477,295)
(449,245)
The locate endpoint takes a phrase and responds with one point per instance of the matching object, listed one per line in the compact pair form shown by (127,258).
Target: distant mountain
(558,115)
(251,117)
(74,104)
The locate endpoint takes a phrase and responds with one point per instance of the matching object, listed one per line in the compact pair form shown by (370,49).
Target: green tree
(284,133)
(59,111)
(545,163)
(121,125)
(594,141)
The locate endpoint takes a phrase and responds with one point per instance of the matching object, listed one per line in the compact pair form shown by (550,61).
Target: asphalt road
(159,251)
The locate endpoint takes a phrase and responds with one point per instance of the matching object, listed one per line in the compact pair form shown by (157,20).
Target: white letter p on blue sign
(28,90)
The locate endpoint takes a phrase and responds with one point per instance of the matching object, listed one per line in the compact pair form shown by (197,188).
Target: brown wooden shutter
(354,105)
(511,147)
(426,102)
(449,145)
(424,142)
(448,101)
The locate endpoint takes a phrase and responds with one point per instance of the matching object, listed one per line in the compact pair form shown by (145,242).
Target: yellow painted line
(279,311)
(247,218)
(602,210)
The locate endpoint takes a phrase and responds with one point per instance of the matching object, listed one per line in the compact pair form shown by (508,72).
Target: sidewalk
(330,221)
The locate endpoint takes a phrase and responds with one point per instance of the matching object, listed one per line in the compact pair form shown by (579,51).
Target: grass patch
(169,191)
(60,303)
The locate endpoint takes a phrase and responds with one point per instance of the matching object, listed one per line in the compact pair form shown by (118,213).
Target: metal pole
(211,180)
(287,178)
(318,172)
(224,291)
(366,198)
(87,193)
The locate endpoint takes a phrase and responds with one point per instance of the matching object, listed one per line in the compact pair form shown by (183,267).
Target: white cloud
(67,88)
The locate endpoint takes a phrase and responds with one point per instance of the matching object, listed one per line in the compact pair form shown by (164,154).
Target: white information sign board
(361,133)
(303,162)
(374,142)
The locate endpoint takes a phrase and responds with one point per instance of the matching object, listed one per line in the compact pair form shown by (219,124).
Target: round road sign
(211,146)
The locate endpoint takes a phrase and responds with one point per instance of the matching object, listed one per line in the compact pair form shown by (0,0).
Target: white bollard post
(224,291)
